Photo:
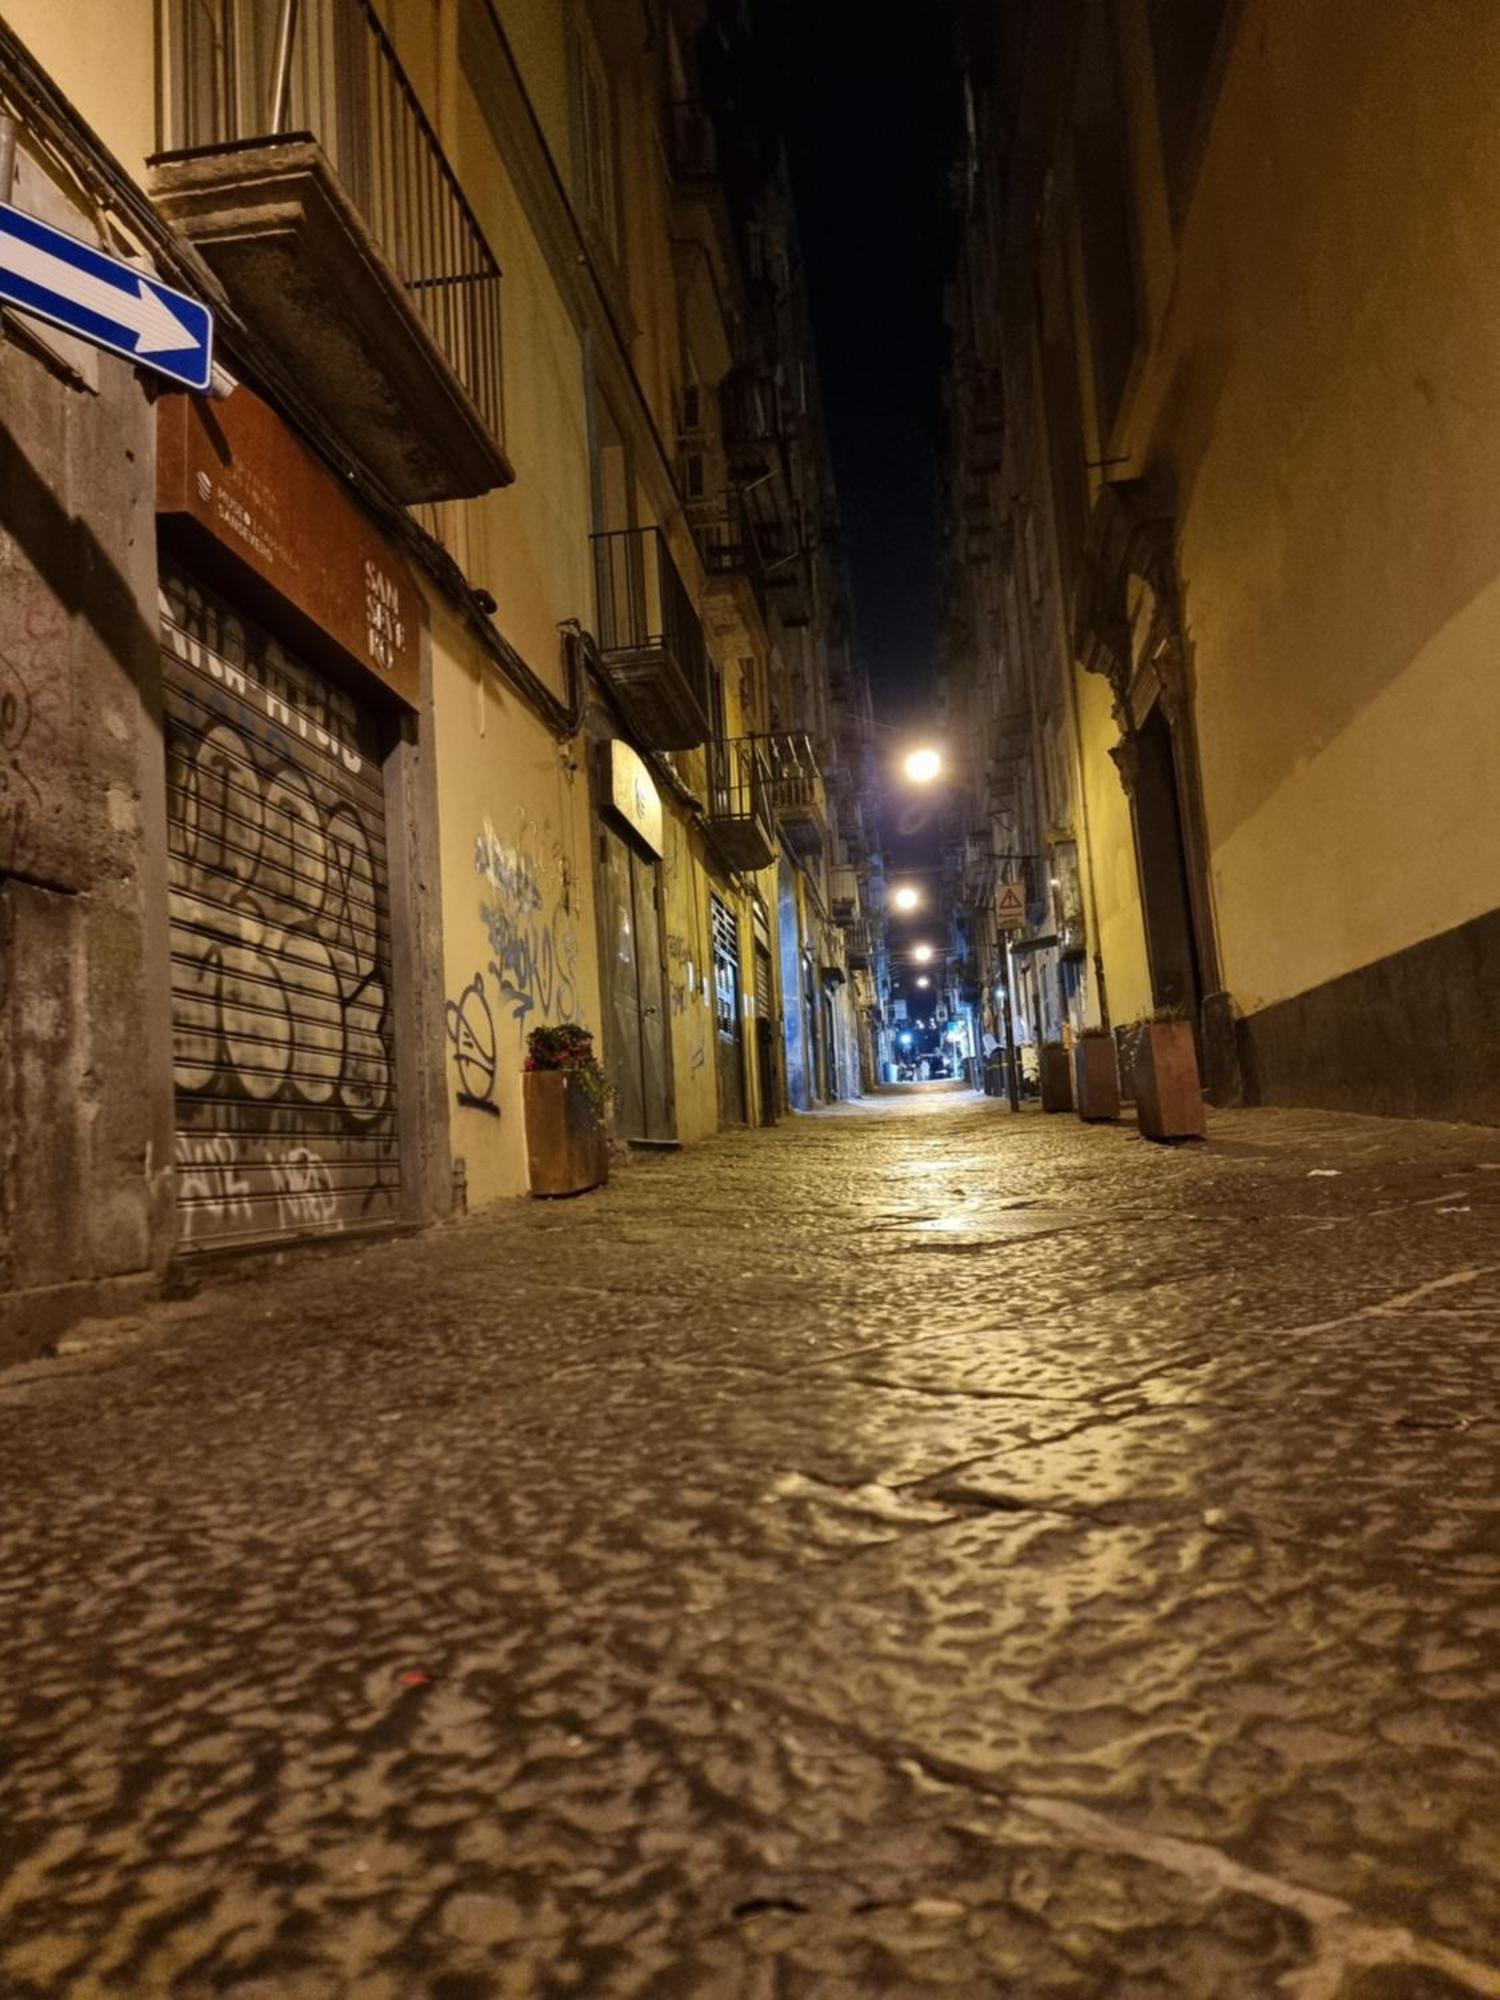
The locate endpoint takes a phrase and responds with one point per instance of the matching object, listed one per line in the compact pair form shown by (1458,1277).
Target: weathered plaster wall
(528,544)
(1324,391)
(519,935)
(105,58)
(1122,935)
(85,1139)
(690,979)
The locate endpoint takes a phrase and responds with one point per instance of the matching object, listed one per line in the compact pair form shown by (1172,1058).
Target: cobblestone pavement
(914,1552)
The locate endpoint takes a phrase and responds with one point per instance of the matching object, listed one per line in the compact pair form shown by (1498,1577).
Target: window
(595,171)
(1102,170)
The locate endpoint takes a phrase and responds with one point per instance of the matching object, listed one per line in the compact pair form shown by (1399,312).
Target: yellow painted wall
(518,898)
(528,544)
(690,981)
(1326,390)
(537,33)
(104,57)
(1122,935)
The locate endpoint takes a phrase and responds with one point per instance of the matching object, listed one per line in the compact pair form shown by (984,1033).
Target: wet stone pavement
(913,1552)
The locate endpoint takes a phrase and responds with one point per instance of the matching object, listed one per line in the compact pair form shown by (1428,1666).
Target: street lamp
(924,980)
(922,953)
(922,766)
(907,898)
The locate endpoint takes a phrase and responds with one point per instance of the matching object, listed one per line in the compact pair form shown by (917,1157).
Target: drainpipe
(8,131)
(281,71)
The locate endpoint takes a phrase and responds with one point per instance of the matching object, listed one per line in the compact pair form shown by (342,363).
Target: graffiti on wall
(32,692)
(471,1033)
(528,917)
(286,996)
(283,1054)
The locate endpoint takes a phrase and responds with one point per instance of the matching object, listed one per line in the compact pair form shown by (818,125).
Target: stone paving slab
(913,1552)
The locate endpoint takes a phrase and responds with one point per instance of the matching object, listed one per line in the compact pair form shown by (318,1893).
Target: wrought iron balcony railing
(797,789)
(246,74)
(729,544)
(650,638)
(739,802)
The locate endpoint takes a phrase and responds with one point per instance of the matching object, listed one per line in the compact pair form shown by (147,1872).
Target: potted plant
(1057,1077)
(1168,1095)
(566,1095)
(1096,1075)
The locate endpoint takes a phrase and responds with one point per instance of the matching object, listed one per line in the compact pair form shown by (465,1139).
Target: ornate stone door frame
(1128,626)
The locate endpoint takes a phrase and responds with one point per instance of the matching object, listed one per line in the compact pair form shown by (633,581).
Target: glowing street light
(922,766)
(907,898)
(922,953)
(924,980)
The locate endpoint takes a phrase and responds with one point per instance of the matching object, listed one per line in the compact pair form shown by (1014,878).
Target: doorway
(1171,943)
(729,1049)
(765,1031)
(634,989)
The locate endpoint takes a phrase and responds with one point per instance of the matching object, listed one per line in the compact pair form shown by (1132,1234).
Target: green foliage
(571,1049)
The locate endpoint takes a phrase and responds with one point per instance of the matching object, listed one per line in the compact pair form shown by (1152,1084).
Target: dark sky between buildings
(860,89)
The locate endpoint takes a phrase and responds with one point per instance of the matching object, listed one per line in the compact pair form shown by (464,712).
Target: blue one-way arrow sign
(103,300)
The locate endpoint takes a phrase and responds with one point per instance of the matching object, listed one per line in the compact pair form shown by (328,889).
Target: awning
(1033,944)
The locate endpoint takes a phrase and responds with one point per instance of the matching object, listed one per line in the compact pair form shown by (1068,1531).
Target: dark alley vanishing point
(909,1552)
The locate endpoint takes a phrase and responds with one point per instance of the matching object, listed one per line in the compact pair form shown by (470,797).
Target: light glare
(922,766)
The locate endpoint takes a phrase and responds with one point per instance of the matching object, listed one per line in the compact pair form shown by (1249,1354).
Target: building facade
(474,658)
(1222,582)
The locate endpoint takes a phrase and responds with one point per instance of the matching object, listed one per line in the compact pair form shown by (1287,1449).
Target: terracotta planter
(1057,1077)
(567,1146)
(1168,1095)
(1096,1078)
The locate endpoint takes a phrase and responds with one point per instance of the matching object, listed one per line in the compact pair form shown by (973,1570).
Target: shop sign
(233,475)
(633,794)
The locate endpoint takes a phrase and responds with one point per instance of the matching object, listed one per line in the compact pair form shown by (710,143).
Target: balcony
(301,164)
(739,803)
(844,897)
(751,421)
(732,557)
(650,641)
(797,791)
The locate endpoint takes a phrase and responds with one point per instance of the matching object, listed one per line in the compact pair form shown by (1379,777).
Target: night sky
(861,91)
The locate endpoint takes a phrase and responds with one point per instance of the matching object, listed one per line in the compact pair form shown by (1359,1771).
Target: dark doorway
(634,989)
(729,1048)
(1176,978)
(765,1032)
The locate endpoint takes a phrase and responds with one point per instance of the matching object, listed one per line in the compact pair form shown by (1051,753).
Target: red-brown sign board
(244,494)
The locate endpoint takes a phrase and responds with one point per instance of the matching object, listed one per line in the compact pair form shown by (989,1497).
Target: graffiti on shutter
(283,1057)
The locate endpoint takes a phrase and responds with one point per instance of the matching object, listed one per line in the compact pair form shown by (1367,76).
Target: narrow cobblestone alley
(1062,1567)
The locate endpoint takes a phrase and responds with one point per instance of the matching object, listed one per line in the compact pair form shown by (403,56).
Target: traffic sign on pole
(103,300)
(1010,906)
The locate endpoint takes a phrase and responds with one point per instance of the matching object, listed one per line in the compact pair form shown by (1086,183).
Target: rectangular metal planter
(1096,1078)
(1057,1077)
(567,1145)
(1168,1094)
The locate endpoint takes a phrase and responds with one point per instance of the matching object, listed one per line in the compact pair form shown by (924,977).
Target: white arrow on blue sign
(103,300)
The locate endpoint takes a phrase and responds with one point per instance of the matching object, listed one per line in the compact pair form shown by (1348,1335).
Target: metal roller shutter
(280,923)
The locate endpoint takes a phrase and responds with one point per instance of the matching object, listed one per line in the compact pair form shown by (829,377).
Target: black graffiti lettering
(471,1030)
